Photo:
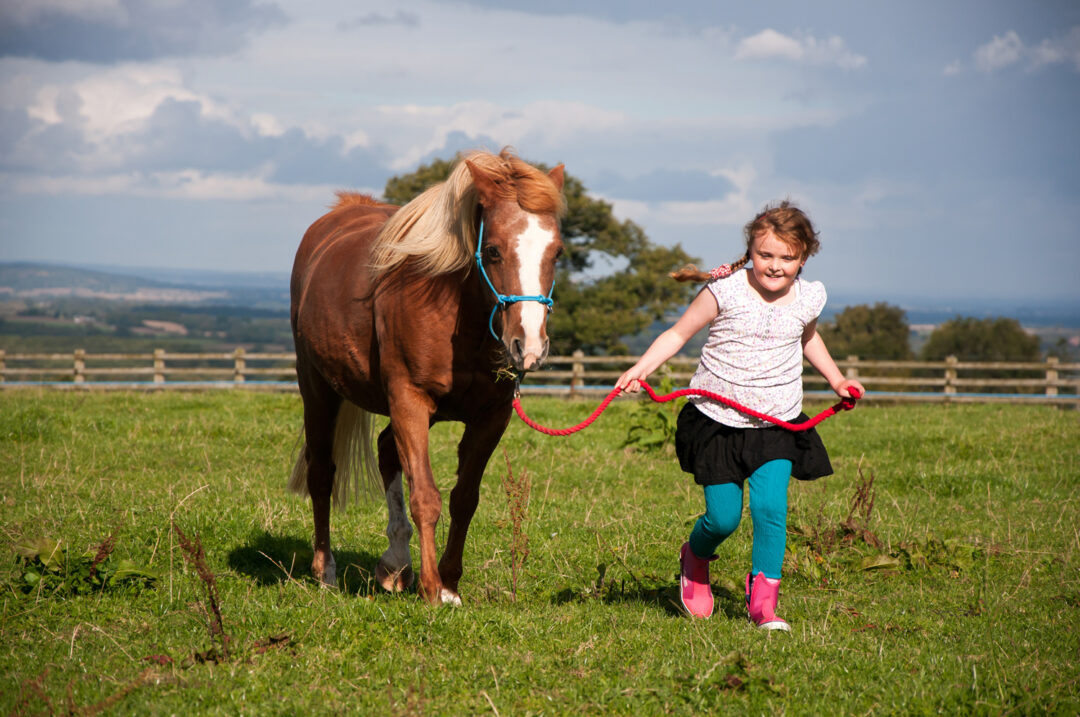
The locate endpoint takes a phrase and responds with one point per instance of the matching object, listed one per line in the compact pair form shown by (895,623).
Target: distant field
(956,589)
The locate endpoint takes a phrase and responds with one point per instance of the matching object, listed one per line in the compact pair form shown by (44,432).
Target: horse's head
(518,251)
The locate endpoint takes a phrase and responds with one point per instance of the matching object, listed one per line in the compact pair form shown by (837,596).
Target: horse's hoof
(327,577)
(394,581)
(449,597)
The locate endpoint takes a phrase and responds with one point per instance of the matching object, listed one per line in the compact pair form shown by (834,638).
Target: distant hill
(22,278)
(270,290)
(39,282)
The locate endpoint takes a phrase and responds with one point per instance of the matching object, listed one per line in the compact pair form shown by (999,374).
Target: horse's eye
(492,254)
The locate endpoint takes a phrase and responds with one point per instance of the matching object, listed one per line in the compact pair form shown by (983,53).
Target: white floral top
(753,354)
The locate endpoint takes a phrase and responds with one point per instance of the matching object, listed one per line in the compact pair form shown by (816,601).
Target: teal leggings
(768,510)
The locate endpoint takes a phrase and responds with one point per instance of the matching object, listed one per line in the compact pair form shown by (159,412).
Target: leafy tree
(878,332)
(399,190)
(971,339)
(1064,351)
(593,314)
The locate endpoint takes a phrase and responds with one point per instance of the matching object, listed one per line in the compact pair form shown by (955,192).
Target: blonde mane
(437,230)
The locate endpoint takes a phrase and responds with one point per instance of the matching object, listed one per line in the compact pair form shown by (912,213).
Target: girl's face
(776,265)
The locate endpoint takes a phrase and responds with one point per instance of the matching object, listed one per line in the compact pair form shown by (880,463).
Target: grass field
(949,584)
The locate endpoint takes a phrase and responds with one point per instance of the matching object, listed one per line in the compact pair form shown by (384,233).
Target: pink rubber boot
(761,597)
(695,593)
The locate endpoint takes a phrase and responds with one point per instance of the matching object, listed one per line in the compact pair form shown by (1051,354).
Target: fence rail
(951,380)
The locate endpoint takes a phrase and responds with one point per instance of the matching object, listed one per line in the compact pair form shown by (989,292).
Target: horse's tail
(354,456)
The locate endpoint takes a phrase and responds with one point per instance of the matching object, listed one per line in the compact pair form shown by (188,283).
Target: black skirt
(715,453)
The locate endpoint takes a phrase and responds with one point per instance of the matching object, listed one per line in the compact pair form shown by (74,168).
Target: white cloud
(191,184)
(1009,49)
(1058,50)
(109,31)
(117,100)
(1000,52)
(731,210)
(22,12)
(770,44)
(267,125)
(428,128)
(767,44)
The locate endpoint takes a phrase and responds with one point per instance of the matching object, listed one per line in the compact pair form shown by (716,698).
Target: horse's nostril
(516,348)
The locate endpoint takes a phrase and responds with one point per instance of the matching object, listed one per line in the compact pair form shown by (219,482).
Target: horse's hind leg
(394,570)
(477,444)
(321,406)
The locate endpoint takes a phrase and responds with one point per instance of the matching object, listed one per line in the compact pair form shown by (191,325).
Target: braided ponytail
(692,273)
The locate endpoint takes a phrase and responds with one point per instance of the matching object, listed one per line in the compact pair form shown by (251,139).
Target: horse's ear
(556,176)
(485,185)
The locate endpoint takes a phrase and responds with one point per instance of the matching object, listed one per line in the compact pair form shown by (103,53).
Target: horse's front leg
(410,418)
(477,444)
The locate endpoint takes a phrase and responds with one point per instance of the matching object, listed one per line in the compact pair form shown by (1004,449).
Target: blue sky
(934,144)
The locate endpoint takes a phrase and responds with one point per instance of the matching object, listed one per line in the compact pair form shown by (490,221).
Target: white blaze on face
(532,244)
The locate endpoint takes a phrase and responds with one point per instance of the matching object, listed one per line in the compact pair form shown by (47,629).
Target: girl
(762,321)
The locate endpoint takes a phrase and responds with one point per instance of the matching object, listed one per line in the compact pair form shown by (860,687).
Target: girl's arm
(818,355)
(701,311)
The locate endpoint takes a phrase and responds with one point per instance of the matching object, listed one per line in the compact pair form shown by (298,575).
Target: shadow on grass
(276,559)
(664,598)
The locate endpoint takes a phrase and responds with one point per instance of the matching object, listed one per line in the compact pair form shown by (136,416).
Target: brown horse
(392,314)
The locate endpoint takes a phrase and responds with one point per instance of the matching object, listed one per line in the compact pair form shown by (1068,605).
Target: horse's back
(331,290)
(353,223)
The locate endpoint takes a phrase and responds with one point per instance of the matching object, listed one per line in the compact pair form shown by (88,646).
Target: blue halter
(504,300)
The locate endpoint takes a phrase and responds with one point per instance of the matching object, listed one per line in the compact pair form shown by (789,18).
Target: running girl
(762,322)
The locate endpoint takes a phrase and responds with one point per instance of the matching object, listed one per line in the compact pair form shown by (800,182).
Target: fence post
(1051,375)
(577,378)
(159,365)
(239,365)
(950,375)
(80,365)
(853,369)
(3,366)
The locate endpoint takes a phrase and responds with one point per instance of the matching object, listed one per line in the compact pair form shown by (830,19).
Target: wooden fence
(1048,381)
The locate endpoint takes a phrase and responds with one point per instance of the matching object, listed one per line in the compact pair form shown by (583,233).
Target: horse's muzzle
(527,360)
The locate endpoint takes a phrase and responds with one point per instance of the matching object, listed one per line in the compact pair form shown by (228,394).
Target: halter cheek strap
(502,301)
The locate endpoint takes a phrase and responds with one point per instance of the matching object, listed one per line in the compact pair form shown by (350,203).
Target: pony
(401,312)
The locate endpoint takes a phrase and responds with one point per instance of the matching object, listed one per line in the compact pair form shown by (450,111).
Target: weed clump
(517,490)
(193,553)
(47,567)
(820,549)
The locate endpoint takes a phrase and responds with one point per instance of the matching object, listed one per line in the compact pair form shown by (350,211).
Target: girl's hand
(844,389)
(630,382)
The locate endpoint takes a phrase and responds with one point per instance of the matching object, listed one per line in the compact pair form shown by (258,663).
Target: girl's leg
(768,510)
(723,509)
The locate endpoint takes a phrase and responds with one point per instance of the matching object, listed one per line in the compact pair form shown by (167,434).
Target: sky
(934,145)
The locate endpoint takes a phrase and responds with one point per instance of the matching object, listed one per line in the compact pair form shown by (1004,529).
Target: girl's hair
(787,222)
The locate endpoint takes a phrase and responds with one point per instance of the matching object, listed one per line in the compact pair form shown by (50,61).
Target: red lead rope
(845,404)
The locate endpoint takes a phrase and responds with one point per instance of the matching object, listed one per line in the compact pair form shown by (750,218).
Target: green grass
(975,608)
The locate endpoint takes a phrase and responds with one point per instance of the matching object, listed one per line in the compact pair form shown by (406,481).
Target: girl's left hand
(844,390)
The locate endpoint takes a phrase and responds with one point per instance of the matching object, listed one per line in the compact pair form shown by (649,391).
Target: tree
(970,339)
(594,314)
(879,332)
(1064,350)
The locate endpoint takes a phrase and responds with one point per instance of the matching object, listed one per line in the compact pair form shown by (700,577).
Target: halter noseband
(502,301)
